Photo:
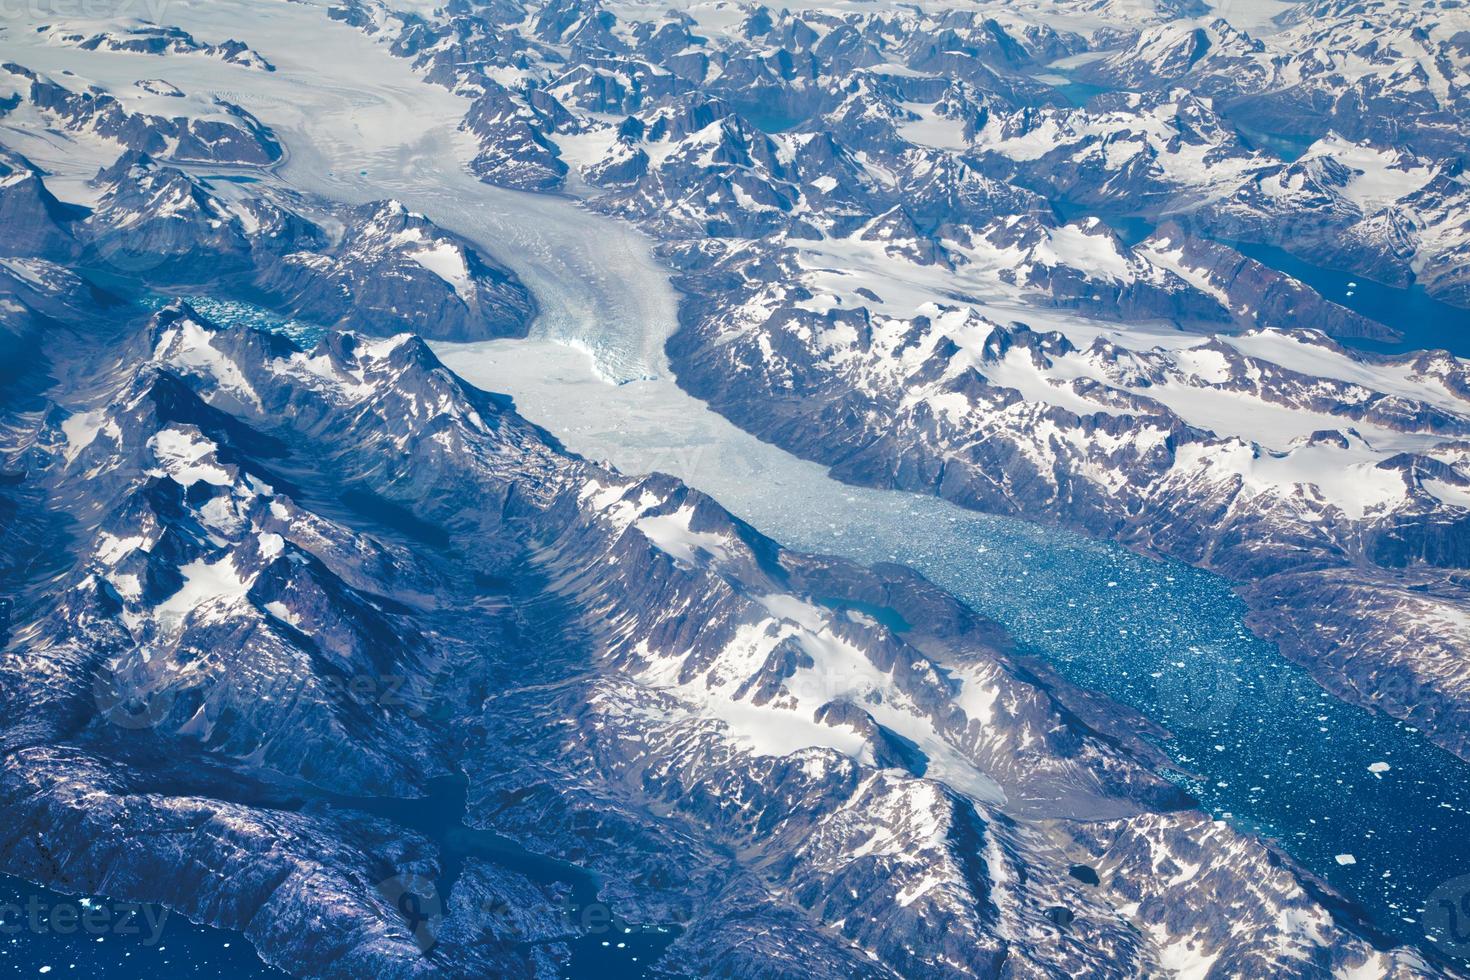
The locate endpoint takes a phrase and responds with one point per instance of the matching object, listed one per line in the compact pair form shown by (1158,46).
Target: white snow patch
(204,585)
(280,611)
(1179,957)
(182,453)
(80,431)
(448,263)
(671,534)
(932,129)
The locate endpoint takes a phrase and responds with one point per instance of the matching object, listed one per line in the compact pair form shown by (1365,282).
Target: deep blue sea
(48,933)
(1425,322)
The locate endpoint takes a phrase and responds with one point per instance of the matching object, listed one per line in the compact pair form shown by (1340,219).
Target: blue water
(1266,747)
(47,933)
(1130,228)
(1425,322)
(44,932)
(603,945)
(1262,744)
(32,946)
(1288,148)
(1078,94)
(304,335)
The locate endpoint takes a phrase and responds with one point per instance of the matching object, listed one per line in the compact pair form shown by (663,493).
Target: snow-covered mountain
(154,118)
(308,637)
(145,38)
(340,573)
(837,185)
(385,268)
(1280,459)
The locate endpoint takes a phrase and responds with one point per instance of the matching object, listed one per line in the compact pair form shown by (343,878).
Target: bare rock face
(1007,419)
(37,222)
(1255,292)
(308,638)
(392,271)
(163,41)
(316,586)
